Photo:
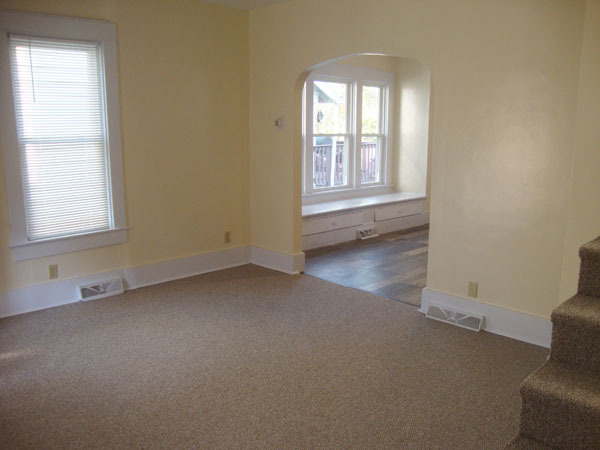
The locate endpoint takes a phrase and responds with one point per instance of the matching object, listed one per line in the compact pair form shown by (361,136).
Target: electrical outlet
(473,286)
(227,237)
(53,271)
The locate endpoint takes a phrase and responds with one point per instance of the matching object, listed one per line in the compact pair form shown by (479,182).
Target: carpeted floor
(252,358)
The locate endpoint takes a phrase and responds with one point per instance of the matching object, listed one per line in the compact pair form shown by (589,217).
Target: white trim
(498,320)
(175,269)
(47,295)
(342,194)
(505,322)
(46,25)
(340,206)
(273,259)
(113,129)
(8,136)
(50,26)
(67,244)
(62,292)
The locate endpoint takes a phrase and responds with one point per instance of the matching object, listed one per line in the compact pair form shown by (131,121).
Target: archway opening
(365,177)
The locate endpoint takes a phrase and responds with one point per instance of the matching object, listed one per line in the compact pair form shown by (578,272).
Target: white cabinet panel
(322,224)
(398,210)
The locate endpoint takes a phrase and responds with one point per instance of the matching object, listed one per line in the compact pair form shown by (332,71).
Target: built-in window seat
(337,221)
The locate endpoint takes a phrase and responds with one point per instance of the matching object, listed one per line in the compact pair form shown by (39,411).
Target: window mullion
(349,160)
(384,110)
(357,134)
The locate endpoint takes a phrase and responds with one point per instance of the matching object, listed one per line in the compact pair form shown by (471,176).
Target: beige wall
(504,77)
(183,73)
(583,221)
(511,200)
(412,124)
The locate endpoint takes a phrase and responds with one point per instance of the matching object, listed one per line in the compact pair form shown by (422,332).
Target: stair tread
(576,333)
(590,248)
(524,443)
(566,383)
(580,307)
(589,269)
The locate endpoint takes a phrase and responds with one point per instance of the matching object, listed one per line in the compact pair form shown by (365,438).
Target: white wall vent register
(101,289)
(463,319)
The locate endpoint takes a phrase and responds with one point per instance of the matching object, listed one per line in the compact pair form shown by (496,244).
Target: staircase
(561,400)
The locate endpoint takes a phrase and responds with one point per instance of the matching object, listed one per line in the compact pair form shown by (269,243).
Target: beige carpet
(251,358)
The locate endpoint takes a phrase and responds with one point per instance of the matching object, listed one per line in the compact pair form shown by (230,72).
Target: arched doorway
(365,173)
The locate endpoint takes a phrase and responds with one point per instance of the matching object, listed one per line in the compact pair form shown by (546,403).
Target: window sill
(67,244)
(356,203)
(343,194)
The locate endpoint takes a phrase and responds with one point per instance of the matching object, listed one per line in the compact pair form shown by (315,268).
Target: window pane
(59,108)
(330,162)
(370,160)
(329,107)
(371,109)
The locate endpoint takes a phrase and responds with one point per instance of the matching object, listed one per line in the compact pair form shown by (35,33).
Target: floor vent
(366,233)
(101,289)
(468,320)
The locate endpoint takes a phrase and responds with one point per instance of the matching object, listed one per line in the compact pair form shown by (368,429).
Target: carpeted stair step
(589,271)
(523,443)
(576,332)
(561,407)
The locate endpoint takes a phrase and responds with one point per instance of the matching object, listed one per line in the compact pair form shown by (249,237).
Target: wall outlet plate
(473,287)
(53,271)
(367,232)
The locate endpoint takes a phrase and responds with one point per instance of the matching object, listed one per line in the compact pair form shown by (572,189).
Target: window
(60,134)
(346,116)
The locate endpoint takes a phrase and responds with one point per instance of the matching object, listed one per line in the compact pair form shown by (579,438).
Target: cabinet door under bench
(396,210)
(330,223)
(343,225)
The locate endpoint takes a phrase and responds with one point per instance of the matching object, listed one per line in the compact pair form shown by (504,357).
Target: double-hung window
(346,119)
(60,134)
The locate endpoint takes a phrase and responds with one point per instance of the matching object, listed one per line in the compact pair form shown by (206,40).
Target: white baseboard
(502,321)
(505,322)
(186,267)
(291,263)
(47,295)
(62,292)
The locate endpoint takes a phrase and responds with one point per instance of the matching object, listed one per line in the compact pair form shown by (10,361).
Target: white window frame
(356,77)
(56,27)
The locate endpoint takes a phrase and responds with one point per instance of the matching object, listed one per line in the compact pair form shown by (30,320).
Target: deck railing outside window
(368,165)
(322,164)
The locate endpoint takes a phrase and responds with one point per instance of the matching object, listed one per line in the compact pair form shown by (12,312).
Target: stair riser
(558,423)
(589,276)
(576,343)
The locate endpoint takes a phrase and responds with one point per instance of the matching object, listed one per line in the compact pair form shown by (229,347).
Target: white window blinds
(60,115)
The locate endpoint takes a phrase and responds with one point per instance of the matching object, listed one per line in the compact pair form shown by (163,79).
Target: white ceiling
(245,4)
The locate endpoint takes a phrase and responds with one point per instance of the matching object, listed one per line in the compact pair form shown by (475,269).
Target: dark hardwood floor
(393,265)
